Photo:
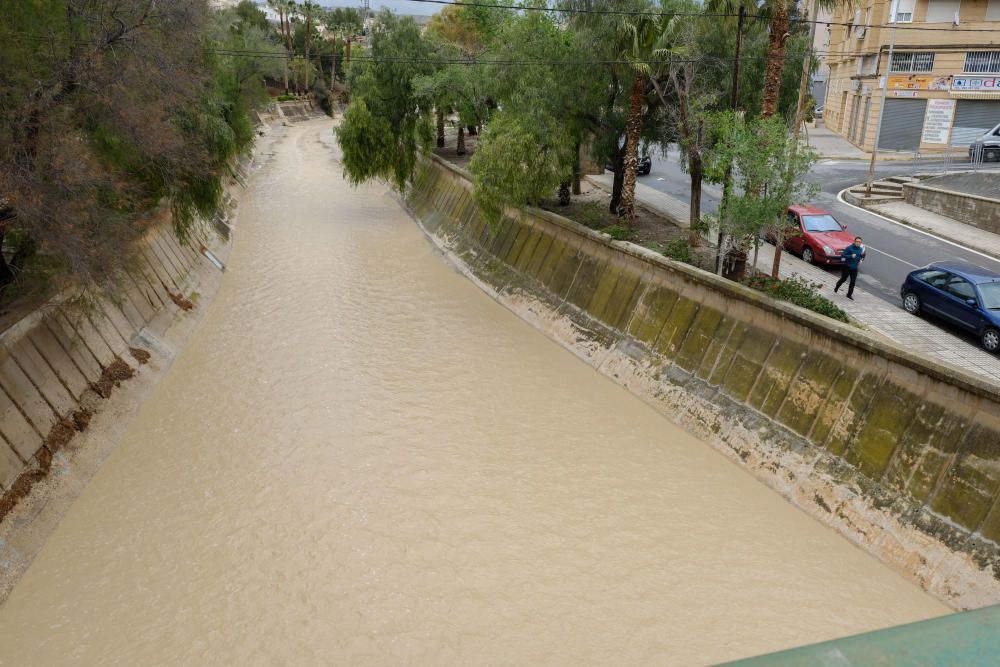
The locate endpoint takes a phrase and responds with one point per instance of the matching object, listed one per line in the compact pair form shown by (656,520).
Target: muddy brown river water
(360,458)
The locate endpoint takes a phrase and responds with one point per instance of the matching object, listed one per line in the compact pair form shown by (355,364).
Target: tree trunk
(619,180)
(440,127)
(460,146)
(697,173)
(775,61)
(780,241)
(305,45)
(564,196)
(576,170)
(626,208)
(472,130)
(333,64)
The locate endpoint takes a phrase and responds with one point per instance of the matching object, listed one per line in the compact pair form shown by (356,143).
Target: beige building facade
(942,86)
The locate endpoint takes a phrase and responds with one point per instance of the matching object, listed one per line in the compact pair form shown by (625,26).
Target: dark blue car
(960,293)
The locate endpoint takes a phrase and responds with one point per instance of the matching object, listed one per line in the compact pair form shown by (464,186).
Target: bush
(799,291)
(679,250)
(285,98)
(618,232)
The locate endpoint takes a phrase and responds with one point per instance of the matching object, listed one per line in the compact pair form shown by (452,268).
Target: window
(960,288)
(991,295)
(912,62)
(942,11)
(993,10)
(901,11)
(821,223)
(980,62)
(935,277)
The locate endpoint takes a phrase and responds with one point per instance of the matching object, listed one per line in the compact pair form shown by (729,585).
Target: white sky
(398,6)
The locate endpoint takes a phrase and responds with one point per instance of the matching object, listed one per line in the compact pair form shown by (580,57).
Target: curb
(846,198)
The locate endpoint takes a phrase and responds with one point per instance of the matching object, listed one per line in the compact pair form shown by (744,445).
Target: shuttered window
(912,62)
(982,62)
(942,11)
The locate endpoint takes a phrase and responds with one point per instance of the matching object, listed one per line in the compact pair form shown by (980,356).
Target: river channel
(360,458)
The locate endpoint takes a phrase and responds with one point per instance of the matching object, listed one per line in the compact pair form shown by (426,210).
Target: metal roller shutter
(902,124)
(973,118)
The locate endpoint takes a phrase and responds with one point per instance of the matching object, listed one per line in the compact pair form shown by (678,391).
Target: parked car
(960,293)
(815,235)
(986,147)
(645,166)
(818,111)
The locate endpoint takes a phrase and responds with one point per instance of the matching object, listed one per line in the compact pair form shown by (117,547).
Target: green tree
(518,161)
(79,167)
(769,164)
(386,128)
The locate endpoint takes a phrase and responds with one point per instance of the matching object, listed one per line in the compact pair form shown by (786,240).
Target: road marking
(840,198)
(901,261)
(661,179)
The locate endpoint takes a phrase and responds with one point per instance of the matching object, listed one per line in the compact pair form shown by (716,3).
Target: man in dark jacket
(853,256)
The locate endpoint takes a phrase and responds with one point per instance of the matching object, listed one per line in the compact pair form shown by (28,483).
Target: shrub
(679,250)
(285,98)
(618,232)
(799,291)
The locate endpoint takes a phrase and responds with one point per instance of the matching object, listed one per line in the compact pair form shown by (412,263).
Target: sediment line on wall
(900,455)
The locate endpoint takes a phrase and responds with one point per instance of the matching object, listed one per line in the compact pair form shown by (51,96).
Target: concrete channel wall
(899,454)
(972,209)
(59,361)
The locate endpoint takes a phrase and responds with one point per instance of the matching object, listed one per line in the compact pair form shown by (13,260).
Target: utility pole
(881,107)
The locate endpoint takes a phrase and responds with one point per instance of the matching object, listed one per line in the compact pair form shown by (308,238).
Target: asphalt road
(893,249)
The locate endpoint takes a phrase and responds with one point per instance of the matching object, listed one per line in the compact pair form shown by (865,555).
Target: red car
(816,235)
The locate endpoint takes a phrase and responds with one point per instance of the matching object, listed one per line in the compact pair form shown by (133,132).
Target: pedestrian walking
(853,255)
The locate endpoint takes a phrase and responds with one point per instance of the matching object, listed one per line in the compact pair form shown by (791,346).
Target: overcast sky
(399,6)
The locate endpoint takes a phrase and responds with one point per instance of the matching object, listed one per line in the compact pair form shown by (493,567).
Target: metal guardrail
(969,639)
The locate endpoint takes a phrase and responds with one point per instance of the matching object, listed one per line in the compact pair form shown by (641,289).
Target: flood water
(360,458)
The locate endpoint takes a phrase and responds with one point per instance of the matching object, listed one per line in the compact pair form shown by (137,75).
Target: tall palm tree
(777,14)
(309,10)
(643,39)
(279,6)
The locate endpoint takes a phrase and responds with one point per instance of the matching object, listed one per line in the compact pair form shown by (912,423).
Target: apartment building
(942,85)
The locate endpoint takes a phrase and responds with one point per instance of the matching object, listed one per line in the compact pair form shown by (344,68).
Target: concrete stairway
(883,191)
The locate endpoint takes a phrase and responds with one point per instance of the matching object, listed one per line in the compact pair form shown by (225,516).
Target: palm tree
(309,9)
(642,40)
(279,6)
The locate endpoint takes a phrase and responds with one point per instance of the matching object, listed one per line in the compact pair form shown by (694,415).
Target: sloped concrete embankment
(899,454)
(60,367)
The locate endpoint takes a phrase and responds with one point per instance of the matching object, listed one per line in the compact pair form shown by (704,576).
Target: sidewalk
(914,333)
(832,146)
(939,225)
(662,204)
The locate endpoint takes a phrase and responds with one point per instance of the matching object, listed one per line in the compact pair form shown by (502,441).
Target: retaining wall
(899,454)
(972,209)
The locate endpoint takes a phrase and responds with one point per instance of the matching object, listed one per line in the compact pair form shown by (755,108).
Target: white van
(987,147)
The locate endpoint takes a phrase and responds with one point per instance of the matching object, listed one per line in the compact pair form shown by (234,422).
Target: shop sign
(918,83)
(904,93)
(975,83)
(937,121)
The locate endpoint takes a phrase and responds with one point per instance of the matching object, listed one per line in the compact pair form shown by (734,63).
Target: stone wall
(899,454)
(976,210)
